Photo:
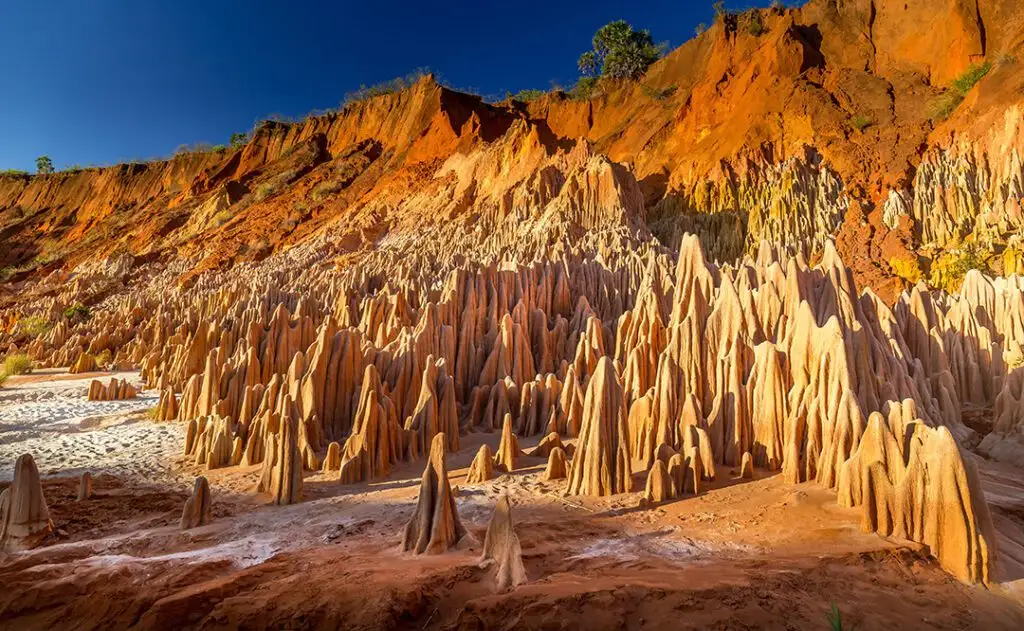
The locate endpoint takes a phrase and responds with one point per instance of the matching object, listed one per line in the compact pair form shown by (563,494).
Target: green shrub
(861,122)
(17,365)
(619,52)
(3,378)
(944,106)
(755,23)
(34,326)
(13,172)
(947,272)
(525,96)
(835,618)
(44,164)
(223,217)
(103,359)
(264,191)
(971,77)
(585,88)
(77,313)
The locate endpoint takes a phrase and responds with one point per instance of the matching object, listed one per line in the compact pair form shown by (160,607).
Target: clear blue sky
(106,81)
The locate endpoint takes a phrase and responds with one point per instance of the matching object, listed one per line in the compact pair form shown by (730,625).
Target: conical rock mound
(24,516)
(434,526)
(502,549)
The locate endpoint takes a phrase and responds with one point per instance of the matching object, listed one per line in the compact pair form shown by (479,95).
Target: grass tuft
(17,365)
(944,106)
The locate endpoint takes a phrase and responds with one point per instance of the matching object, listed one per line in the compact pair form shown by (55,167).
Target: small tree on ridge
(619,52)
(44,164)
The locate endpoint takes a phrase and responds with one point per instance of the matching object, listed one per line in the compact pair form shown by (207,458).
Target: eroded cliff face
(816,129)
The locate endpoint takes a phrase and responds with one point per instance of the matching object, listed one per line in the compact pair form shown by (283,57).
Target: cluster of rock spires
(661,369)
(115,390)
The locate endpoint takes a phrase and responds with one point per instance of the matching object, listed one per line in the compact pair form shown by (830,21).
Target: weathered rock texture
(198,507)
(24,517)
(434,526)
(116,390)
(501,548)
(84,486)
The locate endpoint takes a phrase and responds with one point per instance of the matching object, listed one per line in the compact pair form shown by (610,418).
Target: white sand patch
(243,553)
(67,434)
(660,544)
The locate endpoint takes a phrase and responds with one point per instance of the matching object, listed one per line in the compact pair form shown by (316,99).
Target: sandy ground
(47,415)
(743,555)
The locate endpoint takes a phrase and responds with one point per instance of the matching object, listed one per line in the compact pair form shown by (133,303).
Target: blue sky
(107,81)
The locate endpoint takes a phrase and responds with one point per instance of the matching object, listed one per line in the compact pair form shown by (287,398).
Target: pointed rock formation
(84,486)
(434,526)
(332,461)
(508,447)
(659,485)
(557,467)
(482,468)
(501,548)
(602,465)
(198,506)
(747,467)
(282,468)
(24,516)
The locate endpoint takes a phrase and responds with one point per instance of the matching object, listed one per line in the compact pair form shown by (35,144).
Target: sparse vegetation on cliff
(948,270)
(77,313)
(526,96)
(861,122)
(385,87)
(944,106)
(34,326)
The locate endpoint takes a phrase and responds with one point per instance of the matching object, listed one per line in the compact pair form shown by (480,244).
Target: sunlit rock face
(730,274)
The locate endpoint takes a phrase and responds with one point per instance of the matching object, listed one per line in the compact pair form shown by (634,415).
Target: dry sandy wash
(621,440)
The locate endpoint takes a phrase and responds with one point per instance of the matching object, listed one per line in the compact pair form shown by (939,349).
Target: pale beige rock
(24,516)
(601,465)
(482,467)
(502,549)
